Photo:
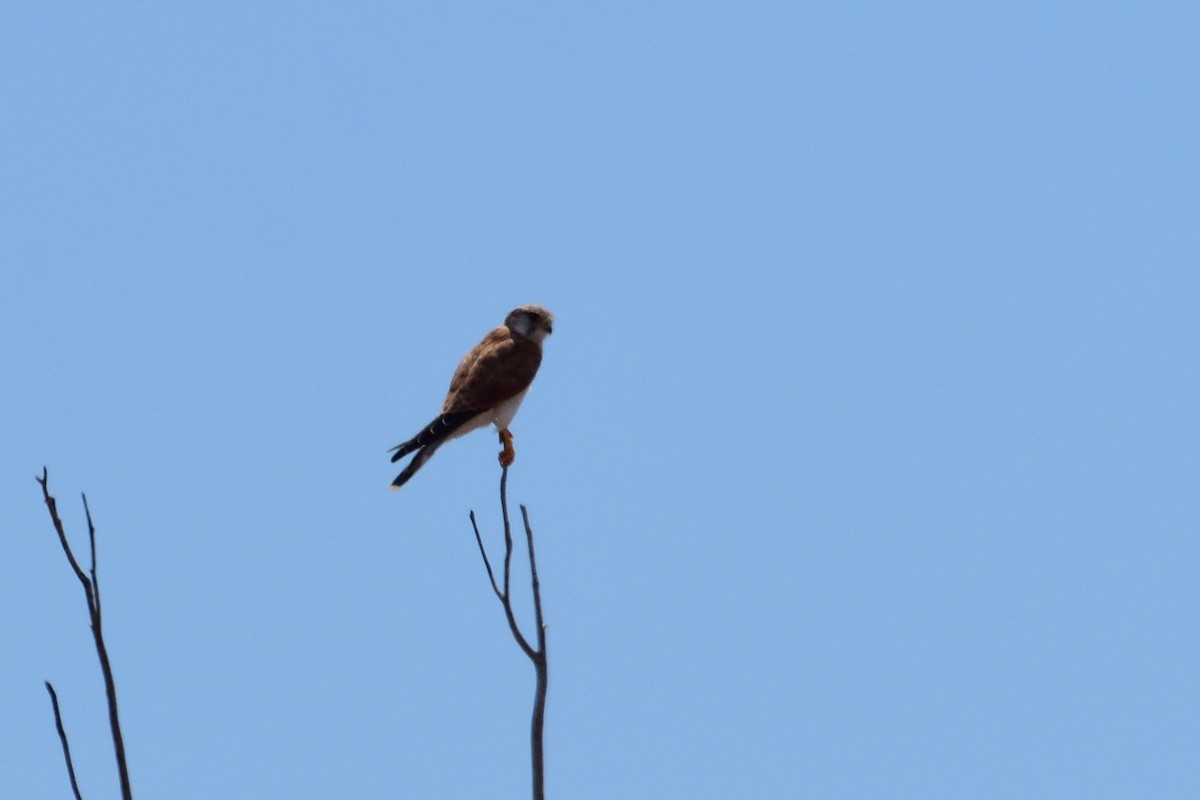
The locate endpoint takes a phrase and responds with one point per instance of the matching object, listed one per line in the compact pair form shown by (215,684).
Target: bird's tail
(442,427)
(418,461)
(426,443)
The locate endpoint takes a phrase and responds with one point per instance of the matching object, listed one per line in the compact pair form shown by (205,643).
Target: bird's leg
(507,455)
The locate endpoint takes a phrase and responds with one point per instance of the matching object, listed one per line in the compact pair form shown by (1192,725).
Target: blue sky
(862,461)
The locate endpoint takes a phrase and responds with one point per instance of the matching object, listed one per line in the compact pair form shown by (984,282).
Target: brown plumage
(499,367)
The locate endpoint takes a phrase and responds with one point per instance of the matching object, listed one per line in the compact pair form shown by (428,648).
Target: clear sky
(863,460)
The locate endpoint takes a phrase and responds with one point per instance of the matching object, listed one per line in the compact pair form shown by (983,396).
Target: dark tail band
(437,431)
(426,443)
(418,461)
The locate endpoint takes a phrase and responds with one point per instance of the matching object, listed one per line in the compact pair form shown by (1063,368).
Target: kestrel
(488,386)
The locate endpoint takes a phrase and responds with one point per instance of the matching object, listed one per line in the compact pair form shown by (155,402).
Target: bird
(488,386)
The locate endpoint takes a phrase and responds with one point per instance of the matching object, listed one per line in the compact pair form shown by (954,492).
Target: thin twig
(92,542)
(486,562)
(540,667)
(537,586)
(502,594)
(508,550)
(508,543)
(52,504)
(92,593)
(538,655)
(62,737)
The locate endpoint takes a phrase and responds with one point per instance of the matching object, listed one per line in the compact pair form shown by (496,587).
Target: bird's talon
(507,455)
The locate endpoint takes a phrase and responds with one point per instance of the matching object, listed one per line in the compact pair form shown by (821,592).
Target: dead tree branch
(536,654)
(91,590)
(62,737)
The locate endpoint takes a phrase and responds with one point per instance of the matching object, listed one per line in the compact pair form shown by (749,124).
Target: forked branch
(91,590)
(536,653)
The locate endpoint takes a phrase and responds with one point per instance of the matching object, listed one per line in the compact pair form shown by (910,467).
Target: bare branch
(91,591)
(52,505)
(539,665)
(110,691)
(522,642)
(508,543)
(538,655)
(486,562)
(537,586)
(92,541)
(62,737)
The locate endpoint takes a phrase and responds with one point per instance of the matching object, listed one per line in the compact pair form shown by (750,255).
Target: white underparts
(501,416)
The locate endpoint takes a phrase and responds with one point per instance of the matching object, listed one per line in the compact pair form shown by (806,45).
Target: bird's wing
(494,337)
(497,368)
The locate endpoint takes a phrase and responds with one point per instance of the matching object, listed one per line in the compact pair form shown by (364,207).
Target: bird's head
(530,322)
